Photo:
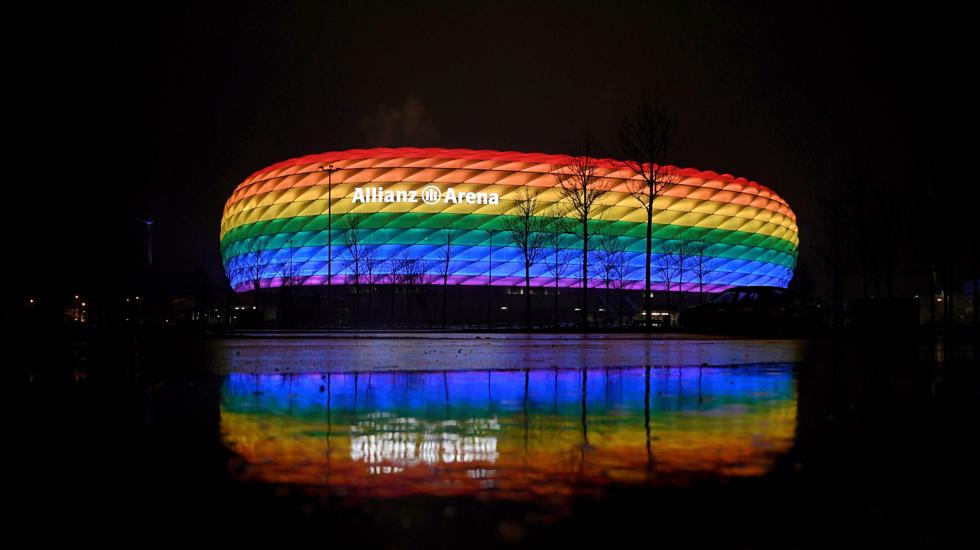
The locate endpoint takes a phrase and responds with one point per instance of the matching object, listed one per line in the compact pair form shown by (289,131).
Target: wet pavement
(415,440)
(433,351)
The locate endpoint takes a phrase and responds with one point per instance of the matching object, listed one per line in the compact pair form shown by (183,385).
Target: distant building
(274,225)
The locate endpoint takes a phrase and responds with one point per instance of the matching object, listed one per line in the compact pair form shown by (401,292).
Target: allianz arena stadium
(410,202)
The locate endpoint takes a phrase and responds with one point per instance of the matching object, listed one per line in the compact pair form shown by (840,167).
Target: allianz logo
(430,194)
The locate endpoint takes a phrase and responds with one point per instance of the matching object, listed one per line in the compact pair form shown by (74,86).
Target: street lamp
(289,269)
(149,242)
(329,170)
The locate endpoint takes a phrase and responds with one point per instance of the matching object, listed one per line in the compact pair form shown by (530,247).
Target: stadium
(447,216)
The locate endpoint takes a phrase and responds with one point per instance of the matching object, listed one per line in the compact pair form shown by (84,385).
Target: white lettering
(430,195)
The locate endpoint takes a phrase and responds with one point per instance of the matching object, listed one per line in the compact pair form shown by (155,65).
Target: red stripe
(486,154)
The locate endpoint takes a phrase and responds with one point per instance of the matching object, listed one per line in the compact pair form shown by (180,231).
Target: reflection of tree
(329,450)
(651,462)
(527,230)
(585,421)
(527,417)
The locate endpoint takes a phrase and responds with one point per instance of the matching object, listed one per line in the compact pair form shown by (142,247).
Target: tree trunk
(680,286)
(606,321)
(357,304)
(585,275)
(556,300)
(410,296)
(490,285)
(647,302)
(976,284)
(258,303)
(445,290)
(527,296)
(619,310)
(391,307)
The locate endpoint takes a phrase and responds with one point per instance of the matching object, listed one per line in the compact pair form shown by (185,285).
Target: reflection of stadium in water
(387,439)
(508,433)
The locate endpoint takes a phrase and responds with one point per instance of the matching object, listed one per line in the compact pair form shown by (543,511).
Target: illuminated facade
(415,204)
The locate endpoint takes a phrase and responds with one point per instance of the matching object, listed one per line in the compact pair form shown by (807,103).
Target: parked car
(753,309)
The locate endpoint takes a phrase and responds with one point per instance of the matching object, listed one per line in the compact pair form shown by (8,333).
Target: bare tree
(253,262)
(698,251)
(666,266)
(581,185)
(528,231)
(373,272)
(390,267)
(412,274)
(645,141)
(251,265)
(608,257)
(355,257)
(289,276)
(445,268)
(557,242)
(682,254)
(622,276)
(401,268)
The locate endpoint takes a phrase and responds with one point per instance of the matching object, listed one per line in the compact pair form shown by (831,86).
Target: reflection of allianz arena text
(410,202)
(516,433)
(399,442)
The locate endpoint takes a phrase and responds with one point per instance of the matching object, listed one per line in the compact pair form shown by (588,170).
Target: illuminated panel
(517,433)
(278,217)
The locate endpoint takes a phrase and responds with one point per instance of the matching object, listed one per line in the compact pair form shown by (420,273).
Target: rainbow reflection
(507,434)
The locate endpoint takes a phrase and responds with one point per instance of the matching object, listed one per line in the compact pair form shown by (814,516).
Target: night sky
(120,114)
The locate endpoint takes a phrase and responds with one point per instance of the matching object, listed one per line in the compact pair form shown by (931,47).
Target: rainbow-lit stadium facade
(278,216)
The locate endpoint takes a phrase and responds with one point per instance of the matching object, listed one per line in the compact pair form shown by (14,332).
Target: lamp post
(289,281)
(329,170)
(149,242)
(490,284)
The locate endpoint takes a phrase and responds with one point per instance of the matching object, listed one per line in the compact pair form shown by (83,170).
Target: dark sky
(159,111)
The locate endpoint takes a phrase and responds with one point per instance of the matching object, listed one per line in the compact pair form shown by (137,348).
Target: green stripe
(429,228)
